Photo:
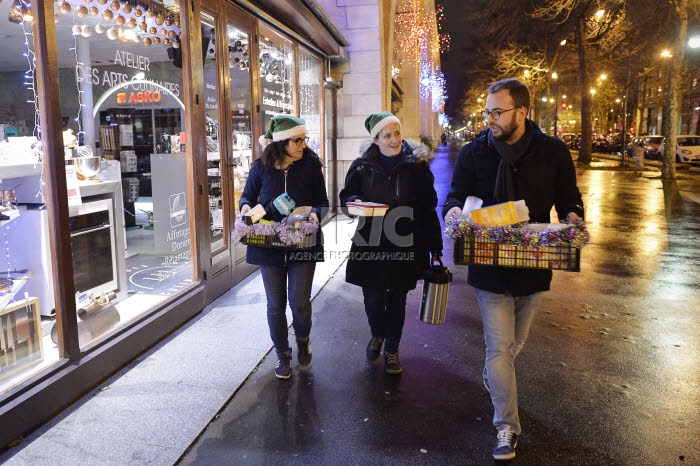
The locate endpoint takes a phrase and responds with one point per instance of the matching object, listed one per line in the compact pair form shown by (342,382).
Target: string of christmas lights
(77,30)
(30,84)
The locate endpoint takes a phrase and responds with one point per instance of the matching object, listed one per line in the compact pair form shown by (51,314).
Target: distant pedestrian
(287,167)
(639,158)
(388,253)
(443,138)
(510,160)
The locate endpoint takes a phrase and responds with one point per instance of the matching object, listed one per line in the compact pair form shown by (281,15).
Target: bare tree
(595,29)
(669,129)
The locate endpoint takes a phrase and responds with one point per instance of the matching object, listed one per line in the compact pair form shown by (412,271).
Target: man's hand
(572,217)
(453,211)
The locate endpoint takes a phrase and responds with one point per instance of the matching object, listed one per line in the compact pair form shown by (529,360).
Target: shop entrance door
(226,38)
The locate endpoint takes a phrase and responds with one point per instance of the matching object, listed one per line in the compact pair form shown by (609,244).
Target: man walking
(511,159)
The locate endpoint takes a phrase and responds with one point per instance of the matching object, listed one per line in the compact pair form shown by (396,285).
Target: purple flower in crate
(240,229)
(308,228)
(498,234)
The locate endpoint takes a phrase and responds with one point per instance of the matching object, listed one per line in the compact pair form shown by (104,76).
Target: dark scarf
(510,155)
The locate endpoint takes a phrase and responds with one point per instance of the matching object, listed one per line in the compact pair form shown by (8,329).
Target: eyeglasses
(298,141)
(496,114)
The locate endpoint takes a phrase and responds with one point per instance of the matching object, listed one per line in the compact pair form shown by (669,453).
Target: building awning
(309,20)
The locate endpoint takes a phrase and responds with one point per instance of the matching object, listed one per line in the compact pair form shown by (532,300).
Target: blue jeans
(277,280)
(507,321)
(386,313)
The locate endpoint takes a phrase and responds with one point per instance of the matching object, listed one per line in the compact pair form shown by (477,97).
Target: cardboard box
(501,215)
(367,209)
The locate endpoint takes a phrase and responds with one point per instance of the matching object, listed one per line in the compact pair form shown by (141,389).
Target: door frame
(224,268)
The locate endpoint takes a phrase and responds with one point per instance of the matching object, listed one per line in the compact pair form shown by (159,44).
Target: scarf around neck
(510,155)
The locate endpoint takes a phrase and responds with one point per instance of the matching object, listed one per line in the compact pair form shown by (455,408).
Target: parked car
(572,140)
(687,148)
(650,143)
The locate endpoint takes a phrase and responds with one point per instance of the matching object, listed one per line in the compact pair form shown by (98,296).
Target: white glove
(453,211)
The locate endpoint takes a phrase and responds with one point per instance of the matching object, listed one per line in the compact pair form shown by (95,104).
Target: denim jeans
(295,278)
(507,321)
(386,313)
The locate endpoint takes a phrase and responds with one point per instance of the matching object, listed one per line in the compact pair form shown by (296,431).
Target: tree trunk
(586,150)
(671,115)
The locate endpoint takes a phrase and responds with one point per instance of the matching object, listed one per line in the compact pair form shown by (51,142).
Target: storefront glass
(239,73)
(121,90)
(310,98)
(25,263)
(211,106)
(276,74)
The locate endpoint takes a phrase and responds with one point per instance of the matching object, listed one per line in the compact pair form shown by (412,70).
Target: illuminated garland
(30,84)
(437,89)
(425,81)
(415,30)
(574,233)
(444,39)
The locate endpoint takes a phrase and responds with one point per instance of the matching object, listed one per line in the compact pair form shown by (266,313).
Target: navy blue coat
(375,260)
(543,177)
(305,185)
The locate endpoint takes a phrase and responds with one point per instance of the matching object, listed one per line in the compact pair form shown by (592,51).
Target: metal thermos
(436,285)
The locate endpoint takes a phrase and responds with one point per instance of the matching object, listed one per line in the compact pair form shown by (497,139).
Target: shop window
(211,106)
(276,74)
(25,267)
(310,98)
(241,98)
(121,91)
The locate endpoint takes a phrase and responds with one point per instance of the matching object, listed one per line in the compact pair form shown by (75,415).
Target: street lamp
(555,117)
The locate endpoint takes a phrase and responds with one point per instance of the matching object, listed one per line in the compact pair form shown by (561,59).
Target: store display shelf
(13,214)
(17,284)
(20,169)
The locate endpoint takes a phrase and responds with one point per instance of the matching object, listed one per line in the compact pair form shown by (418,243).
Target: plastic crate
(480,251)
(272,241)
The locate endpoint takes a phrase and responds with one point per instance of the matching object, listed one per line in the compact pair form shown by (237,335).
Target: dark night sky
(462,53)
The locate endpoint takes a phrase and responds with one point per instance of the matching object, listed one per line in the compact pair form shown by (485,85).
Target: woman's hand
(244,209)
(313,217)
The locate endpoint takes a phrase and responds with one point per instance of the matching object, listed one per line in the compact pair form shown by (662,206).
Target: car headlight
(687,152)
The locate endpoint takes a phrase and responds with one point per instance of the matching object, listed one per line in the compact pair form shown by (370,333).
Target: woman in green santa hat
(290,173)
(395,172)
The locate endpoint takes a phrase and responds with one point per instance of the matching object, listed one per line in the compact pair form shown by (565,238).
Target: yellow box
(500,215)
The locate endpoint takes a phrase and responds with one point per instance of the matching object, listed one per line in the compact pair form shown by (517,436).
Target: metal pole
(556,105)
(624,114)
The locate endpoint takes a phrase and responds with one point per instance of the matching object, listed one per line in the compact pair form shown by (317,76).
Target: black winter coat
(376,261)
(543,177)
(305,185)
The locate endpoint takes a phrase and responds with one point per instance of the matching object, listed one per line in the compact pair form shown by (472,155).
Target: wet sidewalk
(153,409)
(609,375)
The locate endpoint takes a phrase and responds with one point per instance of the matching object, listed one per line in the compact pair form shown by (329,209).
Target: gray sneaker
(506,441)
(284,365)
(304,352)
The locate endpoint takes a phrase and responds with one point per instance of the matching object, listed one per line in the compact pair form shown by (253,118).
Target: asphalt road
(610,374)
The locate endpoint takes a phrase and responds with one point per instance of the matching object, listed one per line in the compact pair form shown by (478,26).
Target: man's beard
(506,131)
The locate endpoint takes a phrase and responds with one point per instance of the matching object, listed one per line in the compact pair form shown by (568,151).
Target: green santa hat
(283,127)
(376,122)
